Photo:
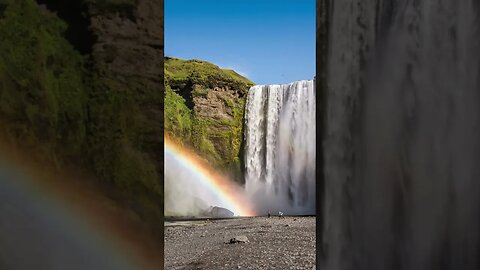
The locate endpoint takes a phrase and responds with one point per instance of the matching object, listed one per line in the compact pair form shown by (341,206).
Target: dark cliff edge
(81,89)
(322,8)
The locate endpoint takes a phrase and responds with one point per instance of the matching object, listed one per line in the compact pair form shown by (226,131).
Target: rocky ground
(273,243)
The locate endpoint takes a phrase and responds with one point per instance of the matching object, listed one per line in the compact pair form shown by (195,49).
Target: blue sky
(269,41)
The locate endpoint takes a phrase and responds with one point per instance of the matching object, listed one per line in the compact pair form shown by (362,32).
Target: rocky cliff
(204,107)
(127,59)
(81,87)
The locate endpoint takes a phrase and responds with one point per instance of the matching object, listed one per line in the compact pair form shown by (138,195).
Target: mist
(184,194)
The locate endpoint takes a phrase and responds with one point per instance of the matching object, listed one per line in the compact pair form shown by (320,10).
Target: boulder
(220,212)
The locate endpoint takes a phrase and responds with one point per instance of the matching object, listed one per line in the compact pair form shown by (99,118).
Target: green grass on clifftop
(203,73)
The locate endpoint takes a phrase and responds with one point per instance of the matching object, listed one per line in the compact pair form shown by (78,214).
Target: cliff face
(127,60)
(81,88)
(128,111)
(212,102)
(129,42)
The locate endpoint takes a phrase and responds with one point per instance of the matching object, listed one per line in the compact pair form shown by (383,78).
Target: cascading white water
(280,147)
(402,147)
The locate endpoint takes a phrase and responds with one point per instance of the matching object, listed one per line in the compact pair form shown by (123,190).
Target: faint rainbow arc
(208,178)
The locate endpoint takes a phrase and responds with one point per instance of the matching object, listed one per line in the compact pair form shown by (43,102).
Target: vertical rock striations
(401,148)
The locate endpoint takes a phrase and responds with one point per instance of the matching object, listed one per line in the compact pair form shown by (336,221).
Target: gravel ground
(274,243)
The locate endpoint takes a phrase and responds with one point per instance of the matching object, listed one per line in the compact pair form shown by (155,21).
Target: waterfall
(402,140)
(280,147)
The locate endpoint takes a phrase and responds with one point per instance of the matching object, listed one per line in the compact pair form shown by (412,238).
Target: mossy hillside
(183,126)
(43,94)
(178,117)
(179,72)
(59,105)
(120,142)
(194,87)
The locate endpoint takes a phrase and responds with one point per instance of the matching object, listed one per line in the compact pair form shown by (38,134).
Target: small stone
(239,239)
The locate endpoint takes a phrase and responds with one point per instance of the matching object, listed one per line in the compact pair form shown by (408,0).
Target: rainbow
(225,189)
(53,223)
